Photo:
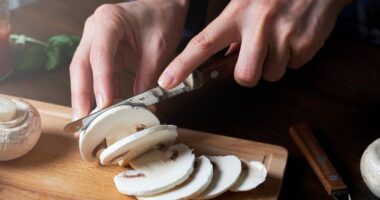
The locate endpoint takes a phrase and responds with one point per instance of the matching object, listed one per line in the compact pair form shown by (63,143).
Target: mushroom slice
(156,171)
(253,174)
(199,180)
(138,143)
(226,171)
(112,125)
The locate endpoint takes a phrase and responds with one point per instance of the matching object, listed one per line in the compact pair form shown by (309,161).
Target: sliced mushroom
(113,125)
(370,167)
(20,128)
(199,180)
(138,143)
(156,171)
(226,171)
(253,174)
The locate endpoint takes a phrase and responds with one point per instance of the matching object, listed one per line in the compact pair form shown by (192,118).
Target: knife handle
(303,136)
(219,68)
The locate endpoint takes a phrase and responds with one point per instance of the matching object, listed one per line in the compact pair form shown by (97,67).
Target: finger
(103,50)
(302,51)
(252,54)
(233,48)
(277,59)
(80,75)
(219,34)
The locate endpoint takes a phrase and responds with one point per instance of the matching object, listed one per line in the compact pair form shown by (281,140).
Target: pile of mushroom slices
(156,167)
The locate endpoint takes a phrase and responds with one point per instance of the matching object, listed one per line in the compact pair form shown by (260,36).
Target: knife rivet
(214,74)
(333,177)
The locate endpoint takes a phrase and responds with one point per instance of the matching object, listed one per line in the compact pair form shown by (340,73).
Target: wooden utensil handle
(218,68)
(314,154)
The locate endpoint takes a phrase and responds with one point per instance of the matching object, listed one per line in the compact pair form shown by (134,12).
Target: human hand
(142,34)
(273,35)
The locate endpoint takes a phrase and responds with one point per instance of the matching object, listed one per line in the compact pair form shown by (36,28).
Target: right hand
(142,34)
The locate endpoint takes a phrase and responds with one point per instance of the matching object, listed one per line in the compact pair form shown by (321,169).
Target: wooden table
(338,92)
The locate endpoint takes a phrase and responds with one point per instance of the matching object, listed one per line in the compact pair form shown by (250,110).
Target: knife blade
(211,71)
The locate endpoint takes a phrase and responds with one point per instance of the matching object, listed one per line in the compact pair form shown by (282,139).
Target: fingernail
(100,100)
(166,80)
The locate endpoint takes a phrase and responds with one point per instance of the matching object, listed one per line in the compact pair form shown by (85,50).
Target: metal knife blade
(342,194)
(150,97)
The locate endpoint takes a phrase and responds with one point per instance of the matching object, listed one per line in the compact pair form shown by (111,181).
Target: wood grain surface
(307,143)
(55,170)
(338,92)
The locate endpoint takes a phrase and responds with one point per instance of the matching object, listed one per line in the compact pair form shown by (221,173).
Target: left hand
(273,35)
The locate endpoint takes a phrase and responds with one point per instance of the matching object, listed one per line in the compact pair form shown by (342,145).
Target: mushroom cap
(199,180)
(138,143)
(226,171)
(156,171)
(119,121)
(370,167)
(8,109)
(20,135)
(252,174)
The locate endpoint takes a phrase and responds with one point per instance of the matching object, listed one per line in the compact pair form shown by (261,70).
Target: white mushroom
(138,143)
(226,172)
(113,125)
(20,128)
(370,167)
(253,174)
(156,171)
(199,180)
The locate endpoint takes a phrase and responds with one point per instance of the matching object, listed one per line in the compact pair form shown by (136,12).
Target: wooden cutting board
(55,170)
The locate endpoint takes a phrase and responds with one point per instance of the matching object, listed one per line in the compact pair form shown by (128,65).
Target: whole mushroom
(20,128)
(370,167)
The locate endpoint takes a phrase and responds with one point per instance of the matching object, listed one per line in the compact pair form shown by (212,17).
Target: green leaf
(26,55)
(30,54)
(30,59)
(60,50)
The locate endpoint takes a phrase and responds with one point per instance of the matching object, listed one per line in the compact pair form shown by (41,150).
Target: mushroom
(226,172)
(156,171)
(370,167)
(20,128)
(253,174)
(199,180)
(138,143)
(113,125)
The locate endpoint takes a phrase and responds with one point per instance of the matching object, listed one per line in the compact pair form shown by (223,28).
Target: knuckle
(89,21)
(73,68)
(106,10)
(202,41)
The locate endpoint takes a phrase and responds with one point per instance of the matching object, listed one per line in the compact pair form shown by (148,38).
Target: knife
(213,70)
(304,138)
